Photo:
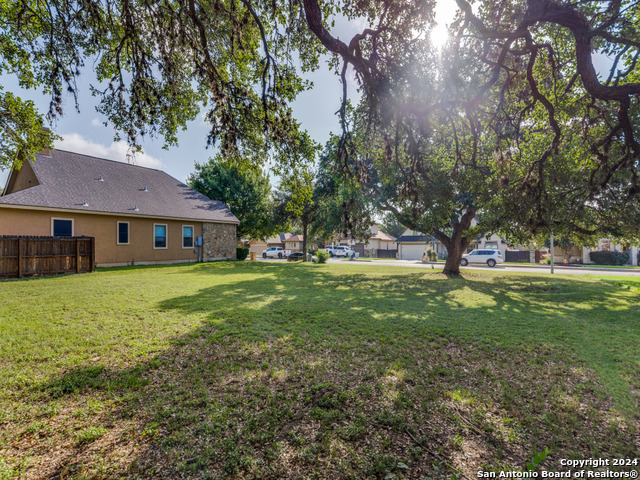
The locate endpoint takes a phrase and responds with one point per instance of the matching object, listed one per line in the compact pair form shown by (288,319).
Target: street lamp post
(551,247)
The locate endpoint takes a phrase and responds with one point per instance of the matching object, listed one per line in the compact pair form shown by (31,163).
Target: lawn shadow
(304,372)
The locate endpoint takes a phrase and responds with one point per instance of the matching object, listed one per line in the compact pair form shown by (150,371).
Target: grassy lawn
(273,370)
(625,267)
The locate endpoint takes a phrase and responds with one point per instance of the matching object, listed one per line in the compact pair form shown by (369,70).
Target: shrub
(432,255)
(546,261)
(609,258)
(242,253)
(322,256)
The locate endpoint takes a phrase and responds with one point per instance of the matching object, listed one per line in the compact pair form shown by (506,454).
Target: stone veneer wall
(219,241)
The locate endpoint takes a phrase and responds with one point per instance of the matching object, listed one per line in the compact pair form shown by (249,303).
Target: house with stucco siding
(137,215)
(257,245)
(412,244)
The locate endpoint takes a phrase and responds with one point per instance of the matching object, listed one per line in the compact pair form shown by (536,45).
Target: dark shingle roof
(383,236)
(67,180)
(416,239)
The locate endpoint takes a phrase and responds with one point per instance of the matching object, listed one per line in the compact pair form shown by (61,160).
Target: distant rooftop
(416,239)
(380,235)
(295,238)
(73,181)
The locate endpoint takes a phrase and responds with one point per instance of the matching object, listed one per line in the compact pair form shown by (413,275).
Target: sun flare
(439,35)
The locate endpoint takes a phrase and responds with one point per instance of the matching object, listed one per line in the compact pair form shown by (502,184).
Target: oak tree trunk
(457,243)
(455,250)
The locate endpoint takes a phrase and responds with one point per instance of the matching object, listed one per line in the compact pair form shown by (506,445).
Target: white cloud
(74,142)
(97,123)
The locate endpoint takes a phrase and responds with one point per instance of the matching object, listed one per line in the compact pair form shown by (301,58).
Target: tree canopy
(513,119)
(247,194)
(391,226)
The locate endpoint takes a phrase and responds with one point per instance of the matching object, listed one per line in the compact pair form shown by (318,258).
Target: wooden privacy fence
(522,256)
(22,256)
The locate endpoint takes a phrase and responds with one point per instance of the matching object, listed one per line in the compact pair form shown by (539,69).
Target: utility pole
(551,247)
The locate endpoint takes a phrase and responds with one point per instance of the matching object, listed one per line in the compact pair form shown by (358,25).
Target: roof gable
(83,183)
(20,179)
(295,238)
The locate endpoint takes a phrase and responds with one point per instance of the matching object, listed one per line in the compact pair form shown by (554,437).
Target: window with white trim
(187,236)
(62,227)
(123,233)
(159,236)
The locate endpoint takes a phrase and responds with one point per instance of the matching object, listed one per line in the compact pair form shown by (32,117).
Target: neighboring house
(257,246)
(412,244)
(294,243)
(379,244)
(573,253)
(136,214)
(604,245)
(493,242)
(341,239)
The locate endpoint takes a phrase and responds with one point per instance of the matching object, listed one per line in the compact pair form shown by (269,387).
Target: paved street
(511,268)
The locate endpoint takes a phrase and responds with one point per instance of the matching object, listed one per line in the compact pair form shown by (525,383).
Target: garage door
(412,252)
(258,248)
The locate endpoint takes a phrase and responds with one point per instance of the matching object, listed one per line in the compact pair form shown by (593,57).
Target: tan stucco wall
(104,229)
(293,246)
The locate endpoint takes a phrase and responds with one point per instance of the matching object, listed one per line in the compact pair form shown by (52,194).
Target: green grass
(272,370)
(520,263)
(624,267)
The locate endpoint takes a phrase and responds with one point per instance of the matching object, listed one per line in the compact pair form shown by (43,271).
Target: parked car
(342,251)
(298,256)
(330,250)
(295,256)
(490,257)
(273,252)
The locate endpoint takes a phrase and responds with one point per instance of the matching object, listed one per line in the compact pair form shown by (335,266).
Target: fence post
(19,258)
(93,254)
(77,255)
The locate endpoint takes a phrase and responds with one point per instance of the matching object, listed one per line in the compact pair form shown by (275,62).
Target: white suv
(330,250)
(341,251)
(490,257)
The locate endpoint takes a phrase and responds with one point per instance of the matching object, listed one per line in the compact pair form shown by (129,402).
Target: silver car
(490,257)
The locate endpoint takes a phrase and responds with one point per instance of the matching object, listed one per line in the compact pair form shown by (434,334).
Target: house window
(493,245)
(159,236)
(123,233)
(187,236)
(62,227)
